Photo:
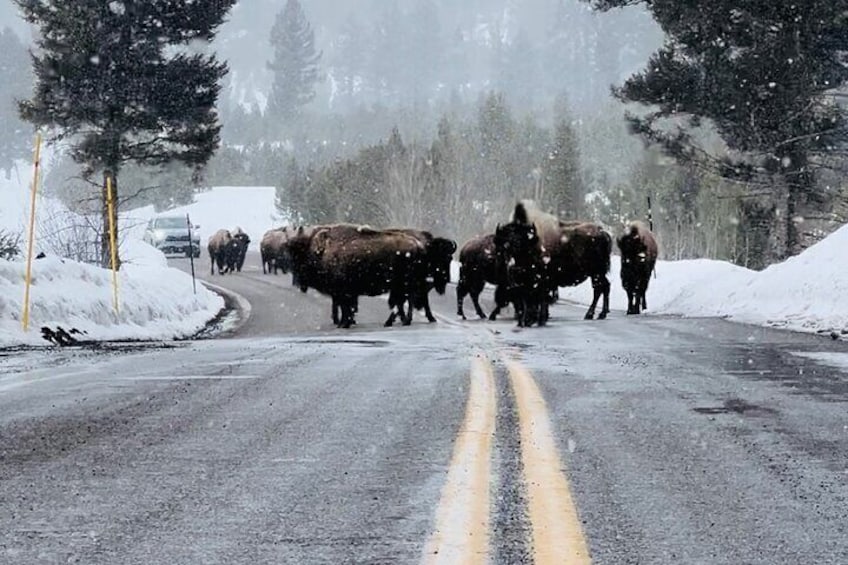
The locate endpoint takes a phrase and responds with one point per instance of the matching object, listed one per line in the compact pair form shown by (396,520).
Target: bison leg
(605,289)
(502,298)
(346,305)
(427,312)
(475,298)
(460,298)
(630,298)
(600,287)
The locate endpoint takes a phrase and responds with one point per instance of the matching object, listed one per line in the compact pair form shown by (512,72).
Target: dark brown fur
(219,247)
(638,258)
(478,266)
(274,252)
(571,252)
(346,261)
(439,254)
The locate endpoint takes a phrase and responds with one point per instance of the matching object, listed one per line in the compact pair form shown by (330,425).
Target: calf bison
(638,258)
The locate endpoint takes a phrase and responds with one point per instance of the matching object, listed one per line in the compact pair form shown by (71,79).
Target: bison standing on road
(273,251)
(572,252)
(239,248)
(220,251)
(478,266)
(439,254)
(638,259)
(346,261)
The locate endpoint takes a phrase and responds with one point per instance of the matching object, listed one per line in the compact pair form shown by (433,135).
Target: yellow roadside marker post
(28,277)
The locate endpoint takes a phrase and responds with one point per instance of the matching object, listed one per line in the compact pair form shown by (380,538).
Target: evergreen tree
(763,73)
(295,62)
(115,79)
(349,62)
(564,192)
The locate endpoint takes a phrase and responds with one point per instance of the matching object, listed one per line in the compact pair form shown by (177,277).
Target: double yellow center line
(462,527)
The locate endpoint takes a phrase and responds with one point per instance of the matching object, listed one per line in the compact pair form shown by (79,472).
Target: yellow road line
(557,534)
(461,534)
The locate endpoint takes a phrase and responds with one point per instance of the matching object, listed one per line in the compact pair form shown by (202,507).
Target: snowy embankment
(808,292)
(155,302)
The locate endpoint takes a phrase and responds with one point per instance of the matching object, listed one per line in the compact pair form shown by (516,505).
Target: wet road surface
(632,440)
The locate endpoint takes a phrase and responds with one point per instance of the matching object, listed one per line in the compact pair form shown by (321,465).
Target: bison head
(440,253)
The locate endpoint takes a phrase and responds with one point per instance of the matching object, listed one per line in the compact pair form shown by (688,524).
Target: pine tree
(564,192)
(116,80)
(295,62)
(763,73)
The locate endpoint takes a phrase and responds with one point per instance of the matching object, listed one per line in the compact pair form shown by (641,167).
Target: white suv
(169,234)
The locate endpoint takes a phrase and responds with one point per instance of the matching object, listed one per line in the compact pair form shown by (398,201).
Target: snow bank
(808,292)
(155,302)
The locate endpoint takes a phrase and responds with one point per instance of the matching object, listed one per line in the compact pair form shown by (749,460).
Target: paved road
(633,440)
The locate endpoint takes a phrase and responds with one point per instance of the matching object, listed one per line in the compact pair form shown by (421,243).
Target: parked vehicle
(170,234)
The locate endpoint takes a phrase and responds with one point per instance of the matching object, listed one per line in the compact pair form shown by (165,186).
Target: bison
(478,266)
(572,252)
(346,261)
(273,250)
(638,258)
(439,254)
(523,276)
(239,248)
(220,248)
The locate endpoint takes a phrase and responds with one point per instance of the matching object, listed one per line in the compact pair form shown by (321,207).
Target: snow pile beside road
(808,292)
(155,302)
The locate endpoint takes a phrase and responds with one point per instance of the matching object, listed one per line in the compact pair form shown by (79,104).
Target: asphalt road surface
(631,440)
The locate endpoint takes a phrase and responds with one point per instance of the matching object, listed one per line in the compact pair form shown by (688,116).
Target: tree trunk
(105,238)
(800,183)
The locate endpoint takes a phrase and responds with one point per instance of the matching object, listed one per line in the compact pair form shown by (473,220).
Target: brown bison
(478,266)
(220,248)
(439,254)
(273,250)
(571,253)
(522,272)
(638,259)
(239,248)
(346,261)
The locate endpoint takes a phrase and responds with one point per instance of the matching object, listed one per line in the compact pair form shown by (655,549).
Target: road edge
(232,317)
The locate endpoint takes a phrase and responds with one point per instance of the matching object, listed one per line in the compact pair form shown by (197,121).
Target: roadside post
(113,240)
(651,226)
(191,255)
(28,278)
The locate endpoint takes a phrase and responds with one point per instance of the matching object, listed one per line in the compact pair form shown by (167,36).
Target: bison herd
(526,260)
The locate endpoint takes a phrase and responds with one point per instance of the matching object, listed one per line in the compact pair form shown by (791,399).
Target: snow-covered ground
(804,293)
(155,302)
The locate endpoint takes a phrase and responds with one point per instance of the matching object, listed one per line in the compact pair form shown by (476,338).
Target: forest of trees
(440,114)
